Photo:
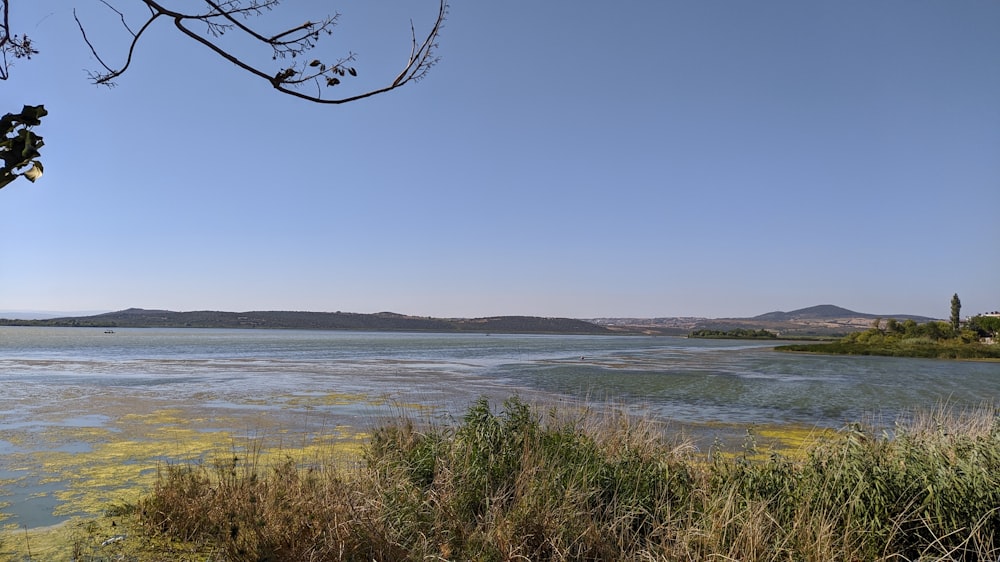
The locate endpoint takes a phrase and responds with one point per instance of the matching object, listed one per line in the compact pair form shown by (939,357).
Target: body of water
(66,393)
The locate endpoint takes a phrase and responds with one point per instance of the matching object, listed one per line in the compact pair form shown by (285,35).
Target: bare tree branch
(110,74)
(11,46)
(224,16)
(19,144)
(121,16)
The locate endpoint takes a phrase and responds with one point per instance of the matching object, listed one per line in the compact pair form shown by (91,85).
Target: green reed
(519,482)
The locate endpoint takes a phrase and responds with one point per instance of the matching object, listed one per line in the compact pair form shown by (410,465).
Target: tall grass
(522,483)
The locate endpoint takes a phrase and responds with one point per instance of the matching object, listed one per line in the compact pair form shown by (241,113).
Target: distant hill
(40,314)
(825,320)
(822,320)
(829,311)
(26,314)
(382,321)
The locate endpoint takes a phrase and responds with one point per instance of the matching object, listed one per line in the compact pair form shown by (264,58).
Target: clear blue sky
(565,158)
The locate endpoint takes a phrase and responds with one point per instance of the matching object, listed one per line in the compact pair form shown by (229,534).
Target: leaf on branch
(34,172)
(29,150)
(30,116)
(19,145)
(352,71)
(332,81)
(284,75)
(315,62)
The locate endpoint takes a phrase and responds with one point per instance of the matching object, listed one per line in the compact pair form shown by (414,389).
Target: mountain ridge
(380,321)
(825,320)
(829,311)
(819,320)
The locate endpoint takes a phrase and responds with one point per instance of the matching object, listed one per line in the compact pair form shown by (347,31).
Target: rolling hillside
(382,321)
(829,311)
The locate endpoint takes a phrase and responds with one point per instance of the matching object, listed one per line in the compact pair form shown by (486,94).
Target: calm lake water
(72,391)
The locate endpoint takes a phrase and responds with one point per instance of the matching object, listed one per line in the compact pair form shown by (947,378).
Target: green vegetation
(984,326)
(520,483)
(956,312)
(737,334)
(19,145)
(938,340)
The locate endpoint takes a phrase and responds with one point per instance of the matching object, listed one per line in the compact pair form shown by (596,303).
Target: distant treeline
(382,321)
(738,333)
(939,340)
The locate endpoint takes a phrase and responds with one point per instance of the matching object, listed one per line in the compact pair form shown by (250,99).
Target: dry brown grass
(519,484)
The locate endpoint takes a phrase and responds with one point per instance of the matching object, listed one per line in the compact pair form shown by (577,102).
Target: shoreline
(119,530)
(102,462)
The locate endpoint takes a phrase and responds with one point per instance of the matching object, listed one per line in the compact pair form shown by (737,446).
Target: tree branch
(292,43)
(17,46)
(178,23)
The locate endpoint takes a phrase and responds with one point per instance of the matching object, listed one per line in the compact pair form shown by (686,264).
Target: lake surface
(71,398)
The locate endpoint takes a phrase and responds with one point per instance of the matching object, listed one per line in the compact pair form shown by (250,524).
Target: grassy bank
(517,483)
(931,340)
(919,348)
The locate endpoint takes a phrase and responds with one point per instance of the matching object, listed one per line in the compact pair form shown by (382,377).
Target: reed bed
(518,482)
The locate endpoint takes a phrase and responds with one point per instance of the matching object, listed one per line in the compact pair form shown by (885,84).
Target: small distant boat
(109,331)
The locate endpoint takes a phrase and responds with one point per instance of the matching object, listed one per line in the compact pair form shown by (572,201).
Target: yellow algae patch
(118,463)
(156,417)
(98,466)
(93,462)
(341,447)
(760,442)
(310,401)
(793,440)
(414,406)
(119,471)
(17,439)
(327,399)
(110,537)
(112,477)
(790,441)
